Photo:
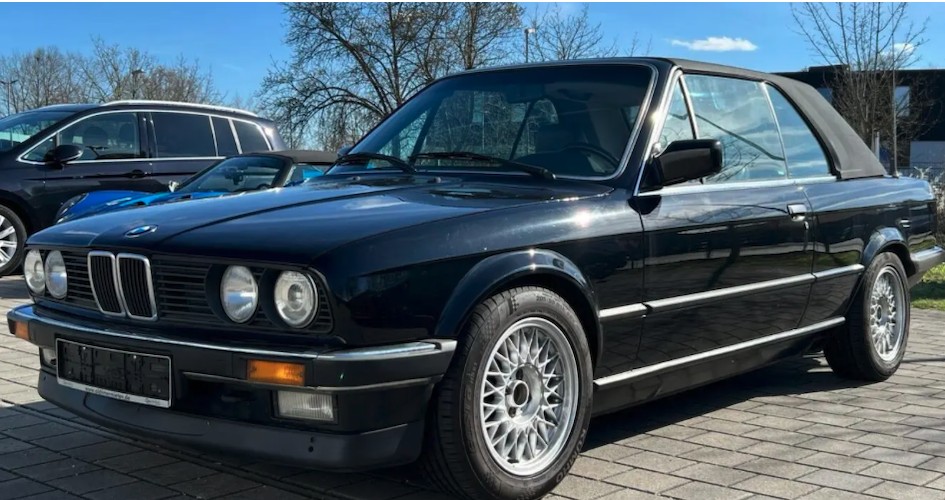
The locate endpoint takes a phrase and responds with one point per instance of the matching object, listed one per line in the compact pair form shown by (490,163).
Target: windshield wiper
(393,160)
(535,170)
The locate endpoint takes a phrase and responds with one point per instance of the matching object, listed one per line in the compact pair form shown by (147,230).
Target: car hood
(298,223)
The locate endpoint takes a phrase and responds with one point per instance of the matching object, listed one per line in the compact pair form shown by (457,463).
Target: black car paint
(655,277)
(36,191)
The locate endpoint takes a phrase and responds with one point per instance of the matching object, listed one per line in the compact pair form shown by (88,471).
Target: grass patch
(930,293)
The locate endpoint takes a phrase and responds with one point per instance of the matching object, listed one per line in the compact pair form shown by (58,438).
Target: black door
(113,159)
(724,265)
(728,258)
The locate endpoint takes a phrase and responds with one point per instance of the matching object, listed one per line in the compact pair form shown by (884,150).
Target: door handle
(797,211)
(135,174)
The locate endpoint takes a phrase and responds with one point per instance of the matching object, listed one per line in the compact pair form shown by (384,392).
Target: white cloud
(717,44)
(903,48)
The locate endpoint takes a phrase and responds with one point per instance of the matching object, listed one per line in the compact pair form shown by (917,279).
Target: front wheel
(872,343)
(511,414)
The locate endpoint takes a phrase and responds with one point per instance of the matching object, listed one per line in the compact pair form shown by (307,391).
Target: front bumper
(381,395)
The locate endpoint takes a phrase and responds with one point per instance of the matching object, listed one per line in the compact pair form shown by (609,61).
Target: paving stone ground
(790,431)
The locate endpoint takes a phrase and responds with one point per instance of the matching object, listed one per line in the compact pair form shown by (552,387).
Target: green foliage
(930,293)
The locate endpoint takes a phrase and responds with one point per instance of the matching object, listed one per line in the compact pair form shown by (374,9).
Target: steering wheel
(595,150)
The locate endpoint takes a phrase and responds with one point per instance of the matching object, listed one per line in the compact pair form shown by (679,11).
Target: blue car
(236,174)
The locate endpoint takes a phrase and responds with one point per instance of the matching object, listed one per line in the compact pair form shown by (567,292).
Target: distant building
(927,149)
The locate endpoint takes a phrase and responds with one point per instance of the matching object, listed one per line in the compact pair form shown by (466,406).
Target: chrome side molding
(636,373)
(701,298)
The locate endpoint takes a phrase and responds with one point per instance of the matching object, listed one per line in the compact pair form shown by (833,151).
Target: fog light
(48,356)
(275,372)
(307,405)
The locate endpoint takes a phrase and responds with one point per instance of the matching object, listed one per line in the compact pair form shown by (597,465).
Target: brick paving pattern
(790,431)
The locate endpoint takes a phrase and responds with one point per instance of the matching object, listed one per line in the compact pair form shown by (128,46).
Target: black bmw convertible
(511,252)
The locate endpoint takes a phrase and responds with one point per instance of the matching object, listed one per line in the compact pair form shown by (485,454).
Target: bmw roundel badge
(138,231)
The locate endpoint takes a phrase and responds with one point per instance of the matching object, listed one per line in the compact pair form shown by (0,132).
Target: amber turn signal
(275,372)
(21,330)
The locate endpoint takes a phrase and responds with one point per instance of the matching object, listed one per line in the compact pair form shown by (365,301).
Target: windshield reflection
(568,120)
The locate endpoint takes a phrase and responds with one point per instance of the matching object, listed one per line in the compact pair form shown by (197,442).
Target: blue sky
(239,40)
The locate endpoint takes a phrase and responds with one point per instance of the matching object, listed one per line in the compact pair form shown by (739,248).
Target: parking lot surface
(793,430)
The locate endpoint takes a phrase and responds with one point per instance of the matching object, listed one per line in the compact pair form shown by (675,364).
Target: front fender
(494,273)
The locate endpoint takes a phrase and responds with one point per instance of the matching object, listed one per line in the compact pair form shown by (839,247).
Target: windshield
(240,173)
(571,120)
(15,129)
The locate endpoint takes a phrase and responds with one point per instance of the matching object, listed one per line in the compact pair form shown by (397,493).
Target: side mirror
(688,160)
(344,150)
(172,186)
(64,153)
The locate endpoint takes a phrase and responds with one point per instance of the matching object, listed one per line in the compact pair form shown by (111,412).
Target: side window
(805,157)
(226,144)
(678,124)
(737,113)
(250,136)
(109,136)
(183,135)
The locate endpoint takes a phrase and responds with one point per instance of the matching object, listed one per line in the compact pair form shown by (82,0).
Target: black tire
(9,220)
(457,457)
(850,350)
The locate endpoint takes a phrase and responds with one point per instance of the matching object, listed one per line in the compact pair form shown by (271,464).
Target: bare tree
(184,81)
(360,61)
(560,35)
(870,43)
(112,72)
(483,34)
(42,77)
(50,76)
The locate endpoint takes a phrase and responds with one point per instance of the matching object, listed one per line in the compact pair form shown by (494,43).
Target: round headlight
(34,273)
(238,293)
(295,298)
(56,281)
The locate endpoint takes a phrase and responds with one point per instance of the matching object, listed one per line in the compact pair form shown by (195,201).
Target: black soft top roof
(850,156)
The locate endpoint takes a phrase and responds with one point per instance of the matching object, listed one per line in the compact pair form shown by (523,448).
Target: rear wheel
(872,343)
(511,414)
(12,239)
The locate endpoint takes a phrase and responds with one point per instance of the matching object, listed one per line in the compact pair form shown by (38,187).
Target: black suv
(51,154)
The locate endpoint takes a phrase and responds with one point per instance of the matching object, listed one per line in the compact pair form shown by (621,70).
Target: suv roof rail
(186,104)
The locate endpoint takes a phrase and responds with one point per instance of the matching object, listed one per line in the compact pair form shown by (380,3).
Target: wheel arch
(20,208)
(888,239)
(544,268)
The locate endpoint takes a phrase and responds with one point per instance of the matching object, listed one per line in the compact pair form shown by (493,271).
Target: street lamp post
(9,86)
(134,82)
(895,126)
(528,31)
